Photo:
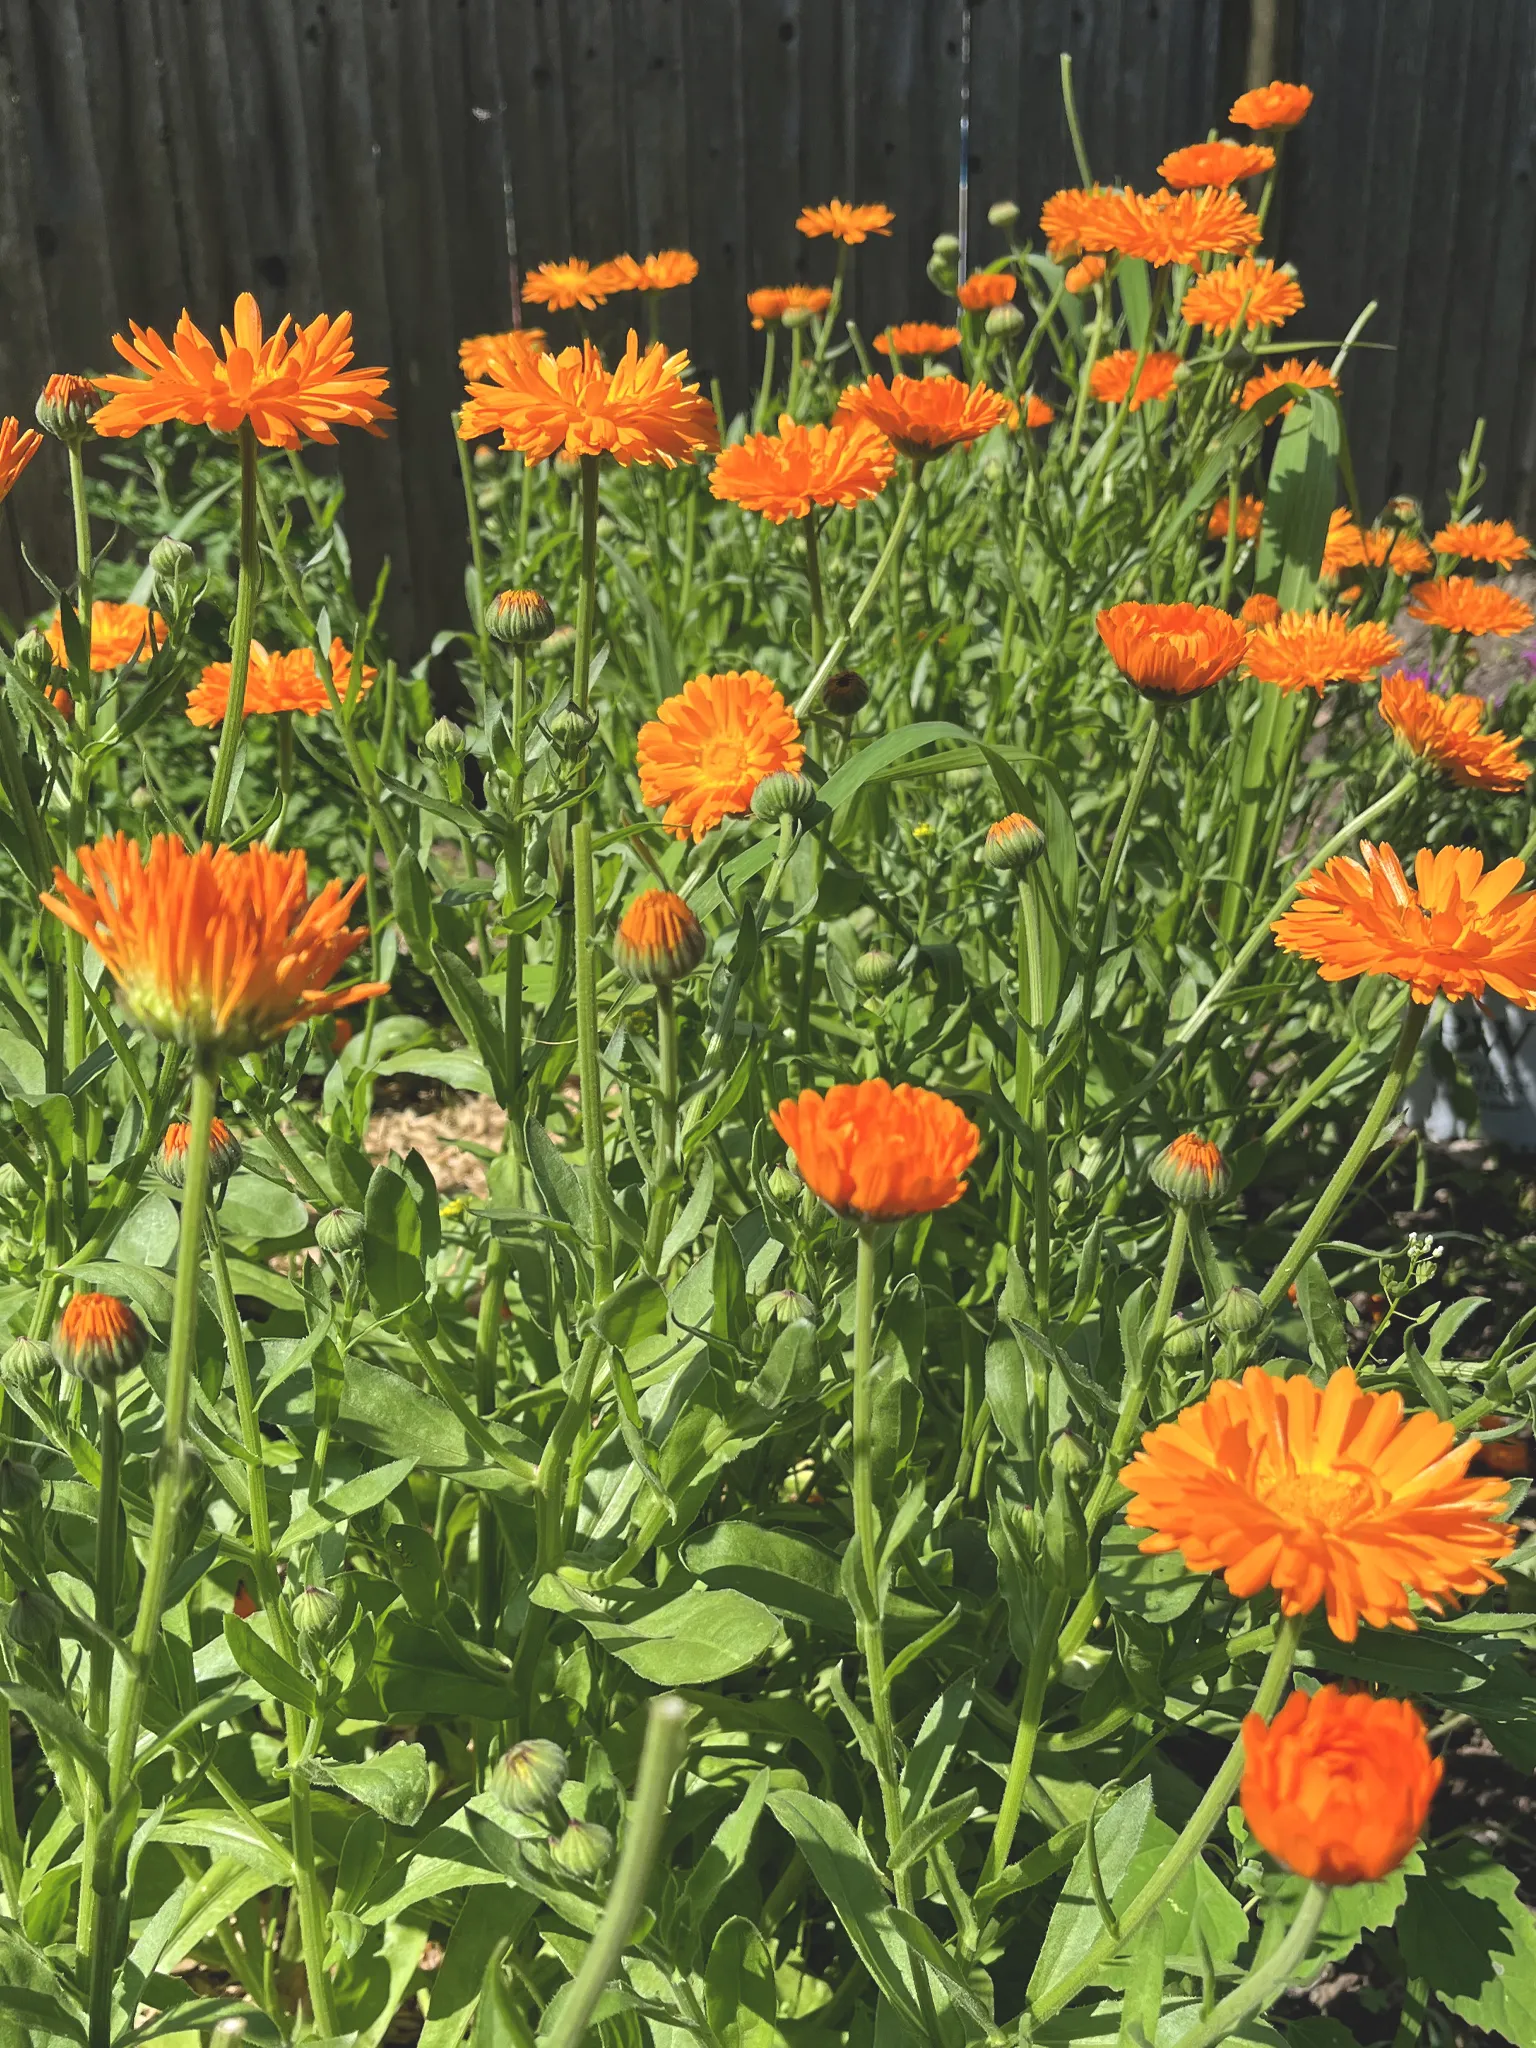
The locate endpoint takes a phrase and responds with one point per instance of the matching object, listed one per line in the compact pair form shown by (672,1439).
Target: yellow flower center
(1322,1500)
(726,757)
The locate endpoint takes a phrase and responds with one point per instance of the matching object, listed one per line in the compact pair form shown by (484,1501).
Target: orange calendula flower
(1181,227)
(1079,220)
(1260,609)
(640,411)
(1252,290)
(1250,515)
(845,223)
(1271,106)
(1112,374)
(1037,413)
(988,288)
(1172,650)
(926,415)
(1310,376)
(772,302)
(563,286)
(659,940)
(1215,163)
(1460,604)
(296,385)
(1325,1494)
(120,633)
(1482,540)
(1344,544)
(1452,930)
(16,451)
(1084,274)
(98,1337)
(275,682)
(1346,547)
(224,1153)
(663,272)
(1309,650)
(1449,732)
(477,352)
(1192,1170)
(877,1152)
(67,405)
(1338,1786)
(783,475)
(708,748)
(215,949)
(917,338)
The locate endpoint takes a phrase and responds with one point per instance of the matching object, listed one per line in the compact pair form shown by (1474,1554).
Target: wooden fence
(360,153)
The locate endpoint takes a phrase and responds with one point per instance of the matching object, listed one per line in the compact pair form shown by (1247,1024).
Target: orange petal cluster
(275,682)
(1482,540)
(1460,604)
(1347,547)
(640,411)
(16,451)
(1250,515)
(1112,374)
(1448,731)
(99,1336)
(478,352)
(1084,274)
(561,287)
(783,475)
(1260,609)
(845,223)
(1309,650)
(917,338)
(1310,376)
(1215,163)
(1181,227)
(120,633)
(659,940)
(877,1152)
(926,415)
(1276,105)
(216,949)
(1037,413)
(1326,1494)
(1252,290)
(1453,930)
(1338,1786)
(1079,220)
(1172,650)
(294,386)
(708,748)
(664,271)
(772,302)
(986,290)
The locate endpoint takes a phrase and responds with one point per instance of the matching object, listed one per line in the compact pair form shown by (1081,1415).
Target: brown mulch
(443,1133)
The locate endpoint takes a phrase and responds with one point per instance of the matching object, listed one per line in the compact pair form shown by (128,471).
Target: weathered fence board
(362,154)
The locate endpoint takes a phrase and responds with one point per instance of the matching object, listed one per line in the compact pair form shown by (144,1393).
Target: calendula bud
(1004,320)
(444,742)
(558,641)
(1070,1456)
(942,272)
(65,407)
(1068,1186)
(1002,213)
(659,939)
(782,795)
(1183,1342)
(875,970)
(529,1777)
(1240,1313)
(583,1850)
(518,618)
(21,1486)
(99,1337)
(26,1363)
(172,566)
(947,246)
(224,1153)
(1405,511)
(340,1230)
(33,1621)
(784,1184)
(1191,1171)
(32,660)
(570,731)
(845,694)
(785,1306)
(318,1621)
(142,798)
(1013,844)
(797,316)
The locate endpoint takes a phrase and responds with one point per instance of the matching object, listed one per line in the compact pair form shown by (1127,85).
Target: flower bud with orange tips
(519,617)
(1172,651)
(1338,1786)
(1261,609)
(224,1153)
(67,406)
(1191,1171)
(98,1338)
(878,1153)
(1013,844)
(659,940)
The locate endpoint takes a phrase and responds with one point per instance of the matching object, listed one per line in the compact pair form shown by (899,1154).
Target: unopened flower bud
(942,272)
(1004,320)
(1183,1342)
(1002,213)
(784,1184)
(1013,844)
(558,641)
(659,939)
(99,1337)
(340,1230)
(583,1850)
(518,618)
(1068,1186)
(1405,511)
(142,798)
(529,1777)
(785,1306)
(66,405)
(33,1621)
(570,730)
(26,1363)
(32,660)
(319,1620)
(1191,1171)
(444,742)
(224,1153)
(947,246)
(172,565)
(1070,1456)
(1240,1313)
(782,795)
(21,1486)
(845,694)
(875,970)
(797,316)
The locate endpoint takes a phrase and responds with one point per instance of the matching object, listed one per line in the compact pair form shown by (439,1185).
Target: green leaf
(392,1241)
(936,1826)
(1156,1589)
(58,1725)
(789,1574)
(1076,1924)
(1323,1314)
(271,1671)
(740,1999)
(196,2015)
(559,1183)
(151,1233)
(459,1069)
(1302,490)
(353,1497)
(252,1207)
(473,1012)
(635,1309)
(489,1918)
(693,1638)
(396,1783)
(727,1853)
(1471,1936)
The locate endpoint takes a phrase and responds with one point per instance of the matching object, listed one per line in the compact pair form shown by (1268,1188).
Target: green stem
(84,565)
(664,1173)
(1259,1990)
(1141,775)
(829,318)
(516,952)
(588,1064)
(586,607)
(1085,379)
(1042,1659)
(240,639)
(877,575)
(477,556)
(1034,1019)
(765,389)
(1133,1399)
(487,1348)
(866,1526)
(99,1697)
(813,578)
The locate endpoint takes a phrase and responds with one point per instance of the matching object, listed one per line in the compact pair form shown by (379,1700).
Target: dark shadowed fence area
(360,154)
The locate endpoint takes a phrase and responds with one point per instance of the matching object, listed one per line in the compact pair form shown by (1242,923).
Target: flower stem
(664,1173)
(866,1525)
(877,576)
(1042,1659)
(813,578)
(1258,1991)
(84,565)
(239,641)
(99,1696)
(765,389)
(487,1347)
(1141,775)
(1133,1399)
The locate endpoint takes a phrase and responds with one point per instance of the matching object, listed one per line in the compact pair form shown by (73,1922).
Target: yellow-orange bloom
(772,302)
(1172,650)
(120,633)
(564,286)
(1453,930)
(1482,540)
(1325,1494)
(1260,609)
(663,272)
(926,415)
(987,289)
(1215,163)
(275,682)
(877,1152)
(477,352)
(1084,274)
(845,223)
(783,475)
(1079,220)
(708,748)
(1111,378)
(1271,106)
(1309,650)
(1449,732)
(1338,1786)
(1346,547)
(1310,376)
(1037,413)
(214,948)
(291,387)
(1252,290)
(659,940)
(917,338)
(1460,604)
(640,411)
(1250,515)
(16,451)
(1181,227)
